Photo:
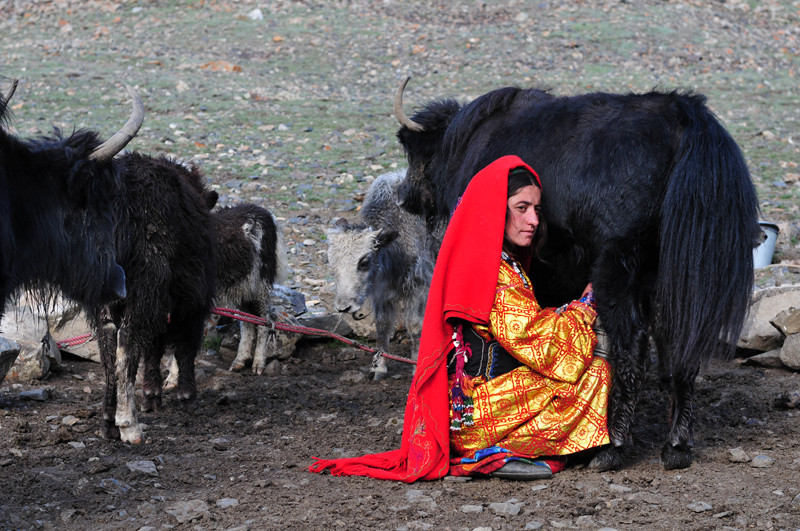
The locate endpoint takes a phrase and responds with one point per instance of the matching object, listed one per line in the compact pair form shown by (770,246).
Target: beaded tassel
(462,404)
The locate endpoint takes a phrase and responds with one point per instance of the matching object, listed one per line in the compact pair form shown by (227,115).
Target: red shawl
(463,286)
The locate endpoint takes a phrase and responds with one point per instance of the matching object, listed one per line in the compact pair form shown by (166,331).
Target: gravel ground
(288,104)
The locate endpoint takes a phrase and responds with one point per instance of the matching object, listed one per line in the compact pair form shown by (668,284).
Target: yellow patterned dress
(555,402)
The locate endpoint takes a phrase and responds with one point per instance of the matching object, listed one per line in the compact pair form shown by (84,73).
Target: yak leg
(615,283)
(677,451)
(171,381)
(107,343)
(187,336)
(385,326)
(244,353)
(260,354)
(127,364)
(152,381)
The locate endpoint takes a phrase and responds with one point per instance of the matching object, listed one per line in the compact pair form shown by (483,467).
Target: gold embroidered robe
(556,403)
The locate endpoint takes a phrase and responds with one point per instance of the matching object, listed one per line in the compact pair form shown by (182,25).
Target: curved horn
(106,151)
(11,90)
(404,120)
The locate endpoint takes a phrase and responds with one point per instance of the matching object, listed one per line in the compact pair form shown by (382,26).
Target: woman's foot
(523,470)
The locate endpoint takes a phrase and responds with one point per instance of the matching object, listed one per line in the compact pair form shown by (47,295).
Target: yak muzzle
(114,285)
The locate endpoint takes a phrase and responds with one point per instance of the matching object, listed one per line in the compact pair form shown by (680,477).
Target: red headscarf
(463,286)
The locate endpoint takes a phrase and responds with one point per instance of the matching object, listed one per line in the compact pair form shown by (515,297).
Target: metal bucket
(762,255)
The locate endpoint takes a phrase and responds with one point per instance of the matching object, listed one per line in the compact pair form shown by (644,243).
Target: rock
(737,455)
(27,324)
(291,300)
(762,461)
(533,525)
(472,509)
(219,444)
(586,521)
(351,377)
(115,486)
(255,14)
(699,507)
(788,321)
(273,368)
(39,395)
(771,359)
(331,323)
(9,350)
(508,508)
(225,503)
(417,496)
(758,333)
(796,501)
(145,468)
(35,359)
(790,352)
(618,488)
(70,420)
(186,511)
(788,400)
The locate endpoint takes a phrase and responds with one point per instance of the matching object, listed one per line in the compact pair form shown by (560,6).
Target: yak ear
(385,237)
(210,197)
(341,223)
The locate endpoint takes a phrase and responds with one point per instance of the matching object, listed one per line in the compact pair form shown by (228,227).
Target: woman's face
(522,217)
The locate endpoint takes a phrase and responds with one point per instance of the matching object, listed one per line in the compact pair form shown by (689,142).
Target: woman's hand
(586,290)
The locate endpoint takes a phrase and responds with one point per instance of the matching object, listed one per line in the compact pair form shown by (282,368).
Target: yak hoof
(608,458)
(188,402)
(674,457)
(236,366)
(151,403)
(109,431)
(132,435)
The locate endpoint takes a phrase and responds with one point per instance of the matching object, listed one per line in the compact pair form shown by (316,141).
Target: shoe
(523,470)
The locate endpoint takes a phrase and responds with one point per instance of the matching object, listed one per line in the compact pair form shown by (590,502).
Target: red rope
(254,319)
(74,341)
(260,321)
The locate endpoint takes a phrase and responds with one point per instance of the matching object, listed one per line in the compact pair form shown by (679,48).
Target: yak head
(422,138)
(352,257)
(59,212)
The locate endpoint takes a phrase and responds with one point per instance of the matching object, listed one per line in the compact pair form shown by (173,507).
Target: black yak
(57,212)
(646,195)
(165,242)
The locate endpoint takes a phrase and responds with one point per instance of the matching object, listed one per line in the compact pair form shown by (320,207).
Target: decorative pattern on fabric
(556,403)
(460,391)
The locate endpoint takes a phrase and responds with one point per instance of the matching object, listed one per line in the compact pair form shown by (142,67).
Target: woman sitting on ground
(502,387)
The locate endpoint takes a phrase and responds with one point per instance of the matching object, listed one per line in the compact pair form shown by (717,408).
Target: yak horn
(108,149)
(404,120)
(11,90)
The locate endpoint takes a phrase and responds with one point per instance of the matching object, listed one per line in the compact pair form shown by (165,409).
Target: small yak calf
(252,258)
(386,258)
(251,255)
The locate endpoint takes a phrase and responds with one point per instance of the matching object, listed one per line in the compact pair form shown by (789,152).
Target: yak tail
(709,223)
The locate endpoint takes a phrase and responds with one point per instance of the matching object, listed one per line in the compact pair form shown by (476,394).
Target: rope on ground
(254,319)
(74,341)
(260,321)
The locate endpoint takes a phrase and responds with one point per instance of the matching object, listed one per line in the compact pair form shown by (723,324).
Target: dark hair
(519,178)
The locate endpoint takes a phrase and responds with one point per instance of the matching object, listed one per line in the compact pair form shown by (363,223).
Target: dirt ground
(240,461)
(293,111)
